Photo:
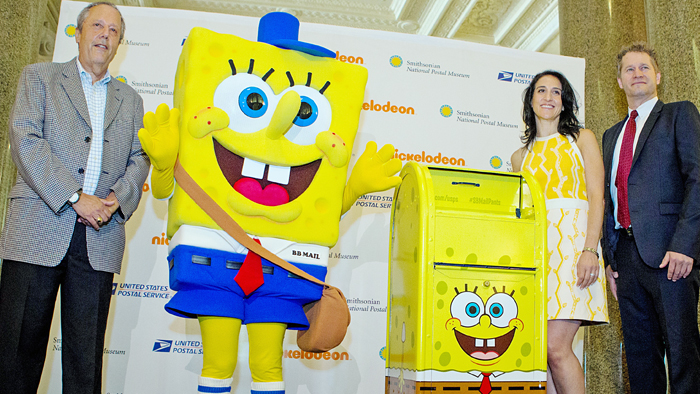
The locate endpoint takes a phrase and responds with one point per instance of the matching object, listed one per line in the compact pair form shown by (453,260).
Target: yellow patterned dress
(557,164)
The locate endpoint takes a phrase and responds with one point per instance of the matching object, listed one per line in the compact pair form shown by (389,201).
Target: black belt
(626,231)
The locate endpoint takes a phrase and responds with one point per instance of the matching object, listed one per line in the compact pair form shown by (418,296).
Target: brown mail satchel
(328,317)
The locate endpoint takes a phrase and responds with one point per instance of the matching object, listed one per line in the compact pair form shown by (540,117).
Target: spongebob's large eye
(248,101)
(308,112)
(502,308)
(473,309)
(468,308)
(314,116)
(253,102)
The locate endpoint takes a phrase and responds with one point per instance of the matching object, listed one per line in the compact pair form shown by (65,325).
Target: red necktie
(623,171)
(485,387)
(250,276)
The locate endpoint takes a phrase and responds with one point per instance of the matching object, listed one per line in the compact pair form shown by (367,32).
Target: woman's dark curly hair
(568,123)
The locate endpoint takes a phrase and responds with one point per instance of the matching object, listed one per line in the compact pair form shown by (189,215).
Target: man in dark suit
(651,229)
(80,172)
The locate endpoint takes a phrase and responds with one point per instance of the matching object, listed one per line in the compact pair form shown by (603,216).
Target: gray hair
(84,13)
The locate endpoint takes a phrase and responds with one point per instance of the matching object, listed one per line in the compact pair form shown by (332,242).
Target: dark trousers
(27,298)
(659,317)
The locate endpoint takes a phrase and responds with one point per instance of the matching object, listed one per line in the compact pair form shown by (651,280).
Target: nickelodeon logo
(146,187)
(162,240)
(388,107)
(349,59)
(423,158)
(328,356)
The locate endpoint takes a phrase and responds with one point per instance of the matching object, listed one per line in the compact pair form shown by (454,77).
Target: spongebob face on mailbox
(268,133)
(484,328)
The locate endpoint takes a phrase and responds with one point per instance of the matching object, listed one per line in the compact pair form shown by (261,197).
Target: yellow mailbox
(467,289)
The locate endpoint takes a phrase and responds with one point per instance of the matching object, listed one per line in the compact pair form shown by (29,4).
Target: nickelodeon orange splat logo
(162,240)
(388,107)
(328,356)
(349,58)
(428,158)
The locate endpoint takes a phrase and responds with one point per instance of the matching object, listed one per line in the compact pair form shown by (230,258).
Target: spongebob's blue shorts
(204,282)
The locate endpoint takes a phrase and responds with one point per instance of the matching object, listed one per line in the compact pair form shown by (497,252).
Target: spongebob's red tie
(485,387)
(250,276)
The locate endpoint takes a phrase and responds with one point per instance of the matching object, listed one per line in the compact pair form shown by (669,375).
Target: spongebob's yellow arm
(373,172)
(160,139)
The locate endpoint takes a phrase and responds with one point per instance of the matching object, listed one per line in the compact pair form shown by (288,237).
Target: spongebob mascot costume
(266,129)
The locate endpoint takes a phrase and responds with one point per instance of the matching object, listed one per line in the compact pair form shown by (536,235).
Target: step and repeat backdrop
(435,100)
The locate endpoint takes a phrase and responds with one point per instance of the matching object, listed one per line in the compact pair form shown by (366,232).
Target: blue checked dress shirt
(96,98)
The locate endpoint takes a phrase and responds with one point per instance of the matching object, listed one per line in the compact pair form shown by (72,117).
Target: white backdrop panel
(460,100)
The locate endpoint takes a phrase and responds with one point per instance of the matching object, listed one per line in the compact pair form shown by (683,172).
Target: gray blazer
(49,126)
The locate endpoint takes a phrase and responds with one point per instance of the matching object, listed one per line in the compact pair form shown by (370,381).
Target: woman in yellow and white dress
(566,161)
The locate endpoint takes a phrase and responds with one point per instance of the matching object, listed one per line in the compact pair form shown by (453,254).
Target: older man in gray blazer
(80,172)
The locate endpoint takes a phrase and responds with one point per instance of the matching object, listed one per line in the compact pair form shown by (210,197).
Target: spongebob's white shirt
(208,238)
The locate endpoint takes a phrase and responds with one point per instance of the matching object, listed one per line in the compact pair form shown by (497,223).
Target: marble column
(27,34)
(596,30)
(673,28)
(22,32)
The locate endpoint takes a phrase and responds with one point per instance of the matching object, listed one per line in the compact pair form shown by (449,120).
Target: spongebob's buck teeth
(278,174)
(256,169)
(295,179)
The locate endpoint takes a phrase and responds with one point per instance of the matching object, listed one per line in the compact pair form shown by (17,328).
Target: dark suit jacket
(49,124)
(663,185)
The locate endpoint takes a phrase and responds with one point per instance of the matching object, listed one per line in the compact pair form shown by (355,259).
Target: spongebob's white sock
(267,388)
(211,385)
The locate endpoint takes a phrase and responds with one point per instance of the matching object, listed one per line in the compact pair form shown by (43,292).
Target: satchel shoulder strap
(226,222)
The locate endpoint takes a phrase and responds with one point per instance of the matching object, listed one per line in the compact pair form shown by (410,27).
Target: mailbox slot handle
(496,267)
